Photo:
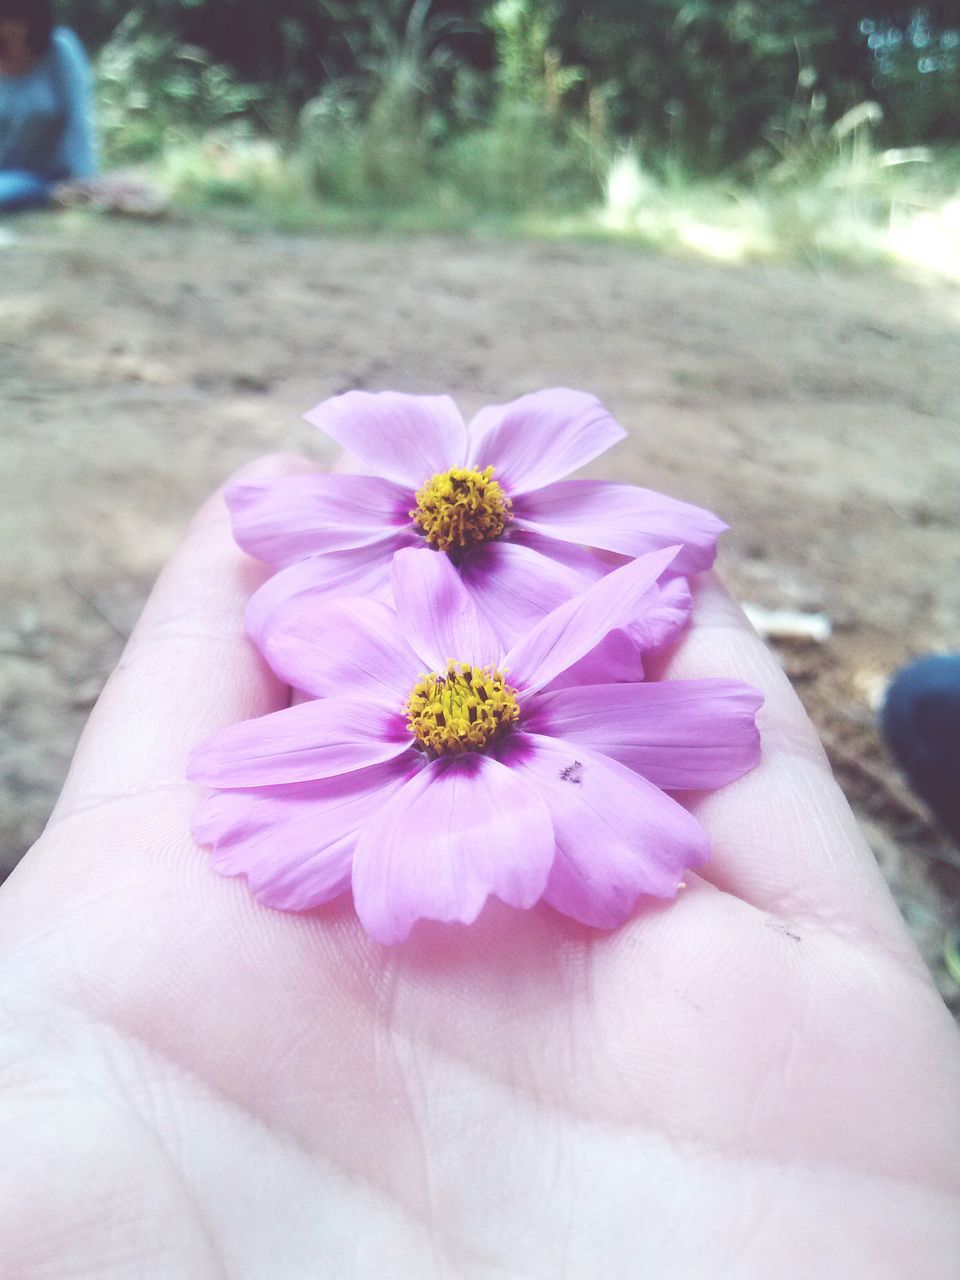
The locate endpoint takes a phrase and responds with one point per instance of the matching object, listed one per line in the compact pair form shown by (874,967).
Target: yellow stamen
(462,709)
(459,507)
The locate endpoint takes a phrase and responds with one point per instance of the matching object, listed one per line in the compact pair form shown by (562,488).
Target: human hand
(755,1081)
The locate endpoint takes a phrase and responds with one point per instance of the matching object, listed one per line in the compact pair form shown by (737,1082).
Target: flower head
(461,709)
(458,508)
(489,496)
(437,767)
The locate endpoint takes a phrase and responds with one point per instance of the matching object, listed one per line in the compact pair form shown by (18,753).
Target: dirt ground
(819,413)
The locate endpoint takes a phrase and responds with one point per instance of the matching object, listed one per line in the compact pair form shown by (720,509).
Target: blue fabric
(921,722)
(45,118)
(22,190)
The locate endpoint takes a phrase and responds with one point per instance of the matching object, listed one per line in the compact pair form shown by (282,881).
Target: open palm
(757,1080)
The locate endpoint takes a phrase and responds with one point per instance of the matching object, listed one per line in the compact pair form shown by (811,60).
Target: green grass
(849,205)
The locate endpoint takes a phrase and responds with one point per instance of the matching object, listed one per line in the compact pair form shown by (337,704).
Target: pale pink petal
(462,829)
(617,835)
(300,744)
(332,648)
(588,564)
(514,585)
(437,614)
(405,438)
(363,571)
(621,518)
(666,617)
(292,517)
(295,844)
(573,629)
(617,657)
(680,734)
(541,437)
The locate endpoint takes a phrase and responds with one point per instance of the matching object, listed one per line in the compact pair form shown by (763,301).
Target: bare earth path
(818,413)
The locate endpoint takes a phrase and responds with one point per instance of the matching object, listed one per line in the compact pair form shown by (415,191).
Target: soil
(817,412)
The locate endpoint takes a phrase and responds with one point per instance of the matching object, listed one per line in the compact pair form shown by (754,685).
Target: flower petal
(587,564)
(680,734)
(464,828)
(541,437)
(617,835)
(621,518)
(296,516)
(405,438)
(666,617)
(573,629)
(437,614)
(300,744)
(514,586)
(342,648)
(362,571)
(617,657)
(295,844)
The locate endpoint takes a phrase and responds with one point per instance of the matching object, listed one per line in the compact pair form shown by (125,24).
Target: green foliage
(152,91)
(517,150)
(371,135)
(706,84)
(531,153)
(833,196)
(919,66)
(732,127)
(332,147)
(515,166)
(522,33)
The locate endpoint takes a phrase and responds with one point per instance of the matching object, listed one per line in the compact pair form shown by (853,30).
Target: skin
(16,56)
(755,1081)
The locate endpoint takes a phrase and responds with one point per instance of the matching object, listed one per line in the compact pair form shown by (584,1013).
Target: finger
(187,670)
(783,837)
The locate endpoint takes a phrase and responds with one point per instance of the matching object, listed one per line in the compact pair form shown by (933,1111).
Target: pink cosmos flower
(490,496)
(434,769)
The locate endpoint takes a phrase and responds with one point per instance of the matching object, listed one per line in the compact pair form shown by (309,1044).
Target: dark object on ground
(921,723)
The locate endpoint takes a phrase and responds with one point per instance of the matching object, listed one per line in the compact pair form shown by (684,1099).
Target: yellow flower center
(463,709)
(459,507)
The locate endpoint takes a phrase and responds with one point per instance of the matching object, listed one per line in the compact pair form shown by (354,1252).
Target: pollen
(460,507)
(462,709)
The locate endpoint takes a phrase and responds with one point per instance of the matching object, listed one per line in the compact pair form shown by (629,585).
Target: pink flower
(489,495)
(434,769)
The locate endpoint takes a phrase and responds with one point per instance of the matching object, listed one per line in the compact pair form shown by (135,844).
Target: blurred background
(737,223)
(825,128)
